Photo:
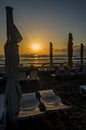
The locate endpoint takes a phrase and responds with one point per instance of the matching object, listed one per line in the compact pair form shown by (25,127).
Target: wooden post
(51,54)
(70,51)
(81,54)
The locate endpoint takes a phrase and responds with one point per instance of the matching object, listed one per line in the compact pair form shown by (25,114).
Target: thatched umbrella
(13,89)
(70,51)
(81,54)
(51,54)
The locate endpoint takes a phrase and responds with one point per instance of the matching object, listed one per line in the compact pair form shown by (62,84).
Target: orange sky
(44,21)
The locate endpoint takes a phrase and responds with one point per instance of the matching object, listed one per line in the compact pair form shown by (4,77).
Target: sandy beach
(68,91)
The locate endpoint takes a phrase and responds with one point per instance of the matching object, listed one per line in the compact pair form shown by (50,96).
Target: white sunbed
(33,76)
(51,101)
(22,76)
(82,90)
(30,107)
(2,113)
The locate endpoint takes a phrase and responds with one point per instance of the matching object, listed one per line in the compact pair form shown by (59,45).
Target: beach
(68,91)
(43,81)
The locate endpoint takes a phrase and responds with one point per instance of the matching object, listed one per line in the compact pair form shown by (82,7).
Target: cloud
(63,50)
(76,50)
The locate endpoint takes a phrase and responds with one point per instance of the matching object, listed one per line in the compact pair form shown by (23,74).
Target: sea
(39,60)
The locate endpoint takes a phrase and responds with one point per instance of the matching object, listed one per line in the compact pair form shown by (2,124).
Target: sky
(44,21)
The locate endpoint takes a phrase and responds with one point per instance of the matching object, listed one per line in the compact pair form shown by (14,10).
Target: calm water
(37,60)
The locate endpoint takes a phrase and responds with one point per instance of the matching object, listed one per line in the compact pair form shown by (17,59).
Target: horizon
(45,55)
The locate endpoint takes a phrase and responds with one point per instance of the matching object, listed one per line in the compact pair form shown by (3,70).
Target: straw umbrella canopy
(70,51)
(13,89)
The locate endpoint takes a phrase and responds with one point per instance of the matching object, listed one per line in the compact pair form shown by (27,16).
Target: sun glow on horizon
(35,47)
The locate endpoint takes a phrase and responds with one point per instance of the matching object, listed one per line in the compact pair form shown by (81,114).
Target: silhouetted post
(9,22)
(13,38)
(70,51)
(51,54)
(81,54)
(13,93)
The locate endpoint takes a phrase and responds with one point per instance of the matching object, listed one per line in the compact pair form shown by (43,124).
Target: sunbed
(2,113)
(22,76)
(29,107)
(33,76)
(51,101)
(82,90)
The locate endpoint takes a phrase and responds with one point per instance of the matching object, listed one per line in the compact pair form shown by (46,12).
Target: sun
(35,47)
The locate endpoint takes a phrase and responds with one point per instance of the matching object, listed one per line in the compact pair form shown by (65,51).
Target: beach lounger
(33,75)
(30,107)
(22,76)
(52,102)
(2,113)
(82,90)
